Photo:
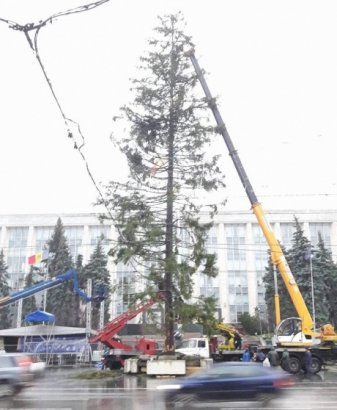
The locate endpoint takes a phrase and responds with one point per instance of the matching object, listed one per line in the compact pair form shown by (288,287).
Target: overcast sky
(272,63)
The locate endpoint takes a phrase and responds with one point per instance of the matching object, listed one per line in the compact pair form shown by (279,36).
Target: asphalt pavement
(61,389)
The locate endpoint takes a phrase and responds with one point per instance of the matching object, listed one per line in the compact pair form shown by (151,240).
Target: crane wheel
(294,365)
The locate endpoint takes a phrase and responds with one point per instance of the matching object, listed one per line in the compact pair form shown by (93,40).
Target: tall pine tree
(97,271)
(325,269)
(61,301)
(5,318)
(156,213)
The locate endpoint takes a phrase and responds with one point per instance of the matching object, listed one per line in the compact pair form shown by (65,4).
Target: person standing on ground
(285,360)
(260,356)
(246,356)
(307,361)
(273,357)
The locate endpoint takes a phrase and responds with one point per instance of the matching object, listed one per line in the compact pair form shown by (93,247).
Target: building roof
(44,330)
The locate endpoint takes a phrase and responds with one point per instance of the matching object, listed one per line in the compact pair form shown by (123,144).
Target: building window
(126,286)
(287,232)
(236,250)
(208,286)
(212,240)
(74,235)
(235,312)
(260,288)
(260,248)
(324,229)
(42,235)
(261,261)
(100,233)
(238,294)
(17,238)
(17,255)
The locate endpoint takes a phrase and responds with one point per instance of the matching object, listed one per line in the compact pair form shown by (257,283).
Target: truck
(295,333)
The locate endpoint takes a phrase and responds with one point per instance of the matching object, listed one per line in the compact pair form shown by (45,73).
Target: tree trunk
(169,311)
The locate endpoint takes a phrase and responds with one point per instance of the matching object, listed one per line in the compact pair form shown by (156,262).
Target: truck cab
(195,346)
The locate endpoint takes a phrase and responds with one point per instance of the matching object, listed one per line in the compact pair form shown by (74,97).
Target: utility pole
(88,308)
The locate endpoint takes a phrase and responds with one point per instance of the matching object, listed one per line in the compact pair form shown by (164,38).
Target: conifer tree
(5,317)
(29,304)
(325,269)
(301,260)
(312,269)
(286,306)
(156,213)
(61,300)
(97,271)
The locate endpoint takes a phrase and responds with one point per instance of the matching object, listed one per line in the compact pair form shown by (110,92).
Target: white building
(236,238)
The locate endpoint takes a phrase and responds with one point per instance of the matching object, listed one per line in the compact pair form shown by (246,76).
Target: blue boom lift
(70,275)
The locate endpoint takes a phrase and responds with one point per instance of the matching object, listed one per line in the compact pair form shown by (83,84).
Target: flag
(38,258)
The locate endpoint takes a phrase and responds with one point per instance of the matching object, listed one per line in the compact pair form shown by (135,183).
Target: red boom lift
(107,335)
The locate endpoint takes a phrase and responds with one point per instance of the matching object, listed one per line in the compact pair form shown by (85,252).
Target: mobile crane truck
(295,333)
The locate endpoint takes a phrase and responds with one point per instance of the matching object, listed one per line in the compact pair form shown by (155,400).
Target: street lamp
(257,310)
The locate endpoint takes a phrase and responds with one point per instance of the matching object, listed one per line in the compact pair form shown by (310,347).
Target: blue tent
(39,316)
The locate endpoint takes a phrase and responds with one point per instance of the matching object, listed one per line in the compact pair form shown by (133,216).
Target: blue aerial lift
(70,275)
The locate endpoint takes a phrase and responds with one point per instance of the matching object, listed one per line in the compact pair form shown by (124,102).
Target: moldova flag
(38,258)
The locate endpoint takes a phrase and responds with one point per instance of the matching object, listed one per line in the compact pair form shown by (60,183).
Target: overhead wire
(33,44)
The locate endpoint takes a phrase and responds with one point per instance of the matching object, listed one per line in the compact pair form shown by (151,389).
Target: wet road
(58,389)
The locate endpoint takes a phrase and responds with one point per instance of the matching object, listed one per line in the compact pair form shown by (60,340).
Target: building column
(3,238)
(223,273)
(251,272)
(86,250)
(333,240)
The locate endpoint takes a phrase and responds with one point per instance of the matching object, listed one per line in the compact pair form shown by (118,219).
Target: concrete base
(206,363)
(131,366)
(166,368)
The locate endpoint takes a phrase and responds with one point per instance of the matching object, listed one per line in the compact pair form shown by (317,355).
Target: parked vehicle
(231,381)
(15,373)
(37,368)
(195,346)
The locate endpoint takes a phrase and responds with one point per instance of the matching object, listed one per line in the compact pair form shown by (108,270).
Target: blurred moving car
(228,381)
(37,368)
(15,373)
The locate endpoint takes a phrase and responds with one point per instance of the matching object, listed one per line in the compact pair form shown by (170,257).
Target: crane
(291,330)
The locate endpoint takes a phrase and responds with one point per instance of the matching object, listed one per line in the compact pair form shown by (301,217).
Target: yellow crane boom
(277,254)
